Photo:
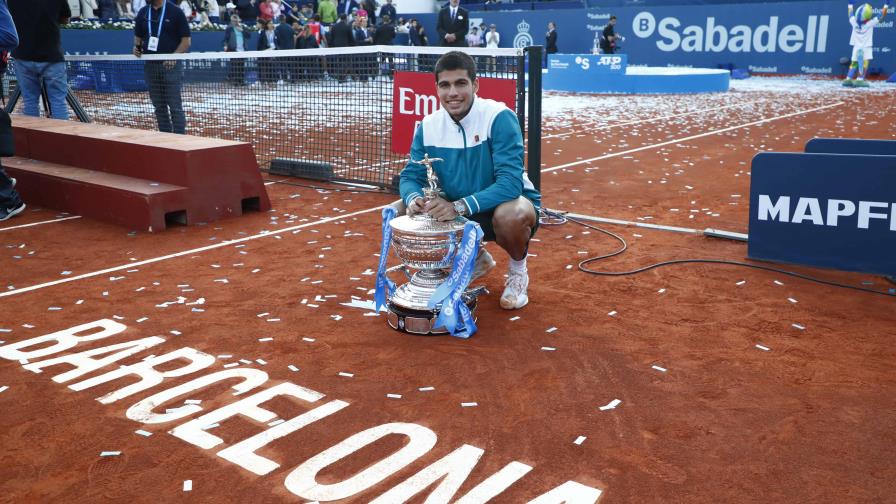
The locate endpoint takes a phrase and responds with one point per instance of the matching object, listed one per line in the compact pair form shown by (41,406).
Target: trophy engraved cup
(429,246)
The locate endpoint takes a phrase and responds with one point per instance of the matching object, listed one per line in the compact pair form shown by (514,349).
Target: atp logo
(583,62)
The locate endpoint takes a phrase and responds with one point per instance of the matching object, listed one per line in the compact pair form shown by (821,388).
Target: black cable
(583,264)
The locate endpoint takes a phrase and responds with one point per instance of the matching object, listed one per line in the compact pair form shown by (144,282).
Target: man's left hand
(440,209)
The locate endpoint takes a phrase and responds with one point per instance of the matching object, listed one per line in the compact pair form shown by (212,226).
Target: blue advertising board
(830,210)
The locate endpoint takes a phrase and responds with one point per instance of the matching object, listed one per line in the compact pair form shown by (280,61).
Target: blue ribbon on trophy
(454,315)
(384,286)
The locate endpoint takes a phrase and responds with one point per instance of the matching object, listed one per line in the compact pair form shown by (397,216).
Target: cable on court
(583,265)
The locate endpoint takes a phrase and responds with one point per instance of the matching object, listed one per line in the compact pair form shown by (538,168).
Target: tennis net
(343,114)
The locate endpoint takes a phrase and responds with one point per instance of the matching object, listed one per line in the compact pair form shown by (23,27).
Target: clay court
(690,383)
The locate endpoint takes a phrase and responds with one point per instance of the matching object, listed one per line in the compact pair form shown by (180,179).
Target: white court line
(185,252)
(673,116)
(692,137)
(41,222)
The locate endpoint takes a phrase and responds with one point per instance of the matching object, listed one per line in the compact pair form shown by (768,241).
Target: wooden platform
(144,180)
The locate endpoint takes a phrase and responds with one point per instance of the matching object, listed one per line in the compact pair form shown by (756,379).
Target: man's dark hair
(456,60)
(342,17)
(612,18)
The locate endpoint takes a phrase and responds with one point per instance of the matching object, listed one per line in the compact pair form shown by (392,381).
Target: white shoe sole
(508,304)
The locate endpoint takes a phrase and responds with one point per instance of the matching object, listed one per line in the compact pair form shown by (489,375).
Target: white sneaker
(484,263)
(515,286)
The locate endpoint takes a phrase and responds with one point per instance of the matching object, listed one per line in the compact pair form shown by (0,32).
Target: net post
(534,129)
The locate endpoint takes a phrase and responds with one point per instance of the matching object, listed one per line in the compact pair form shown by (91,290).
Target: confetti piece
(393,396)
(610,405)
(188,485)
(261,361)
(309,340)
(293,368)
(778,283)
(579,440)
(741,282)
(232,364)
(273,320)
(661,291)
(142,319)
(799,326)
(763,348)
(426,389)
(514,318)
(266,339)
(265,314)
(658,368)
(548,348)
(110,453)
(468,404)
(175,332)
(4,388)
(551,329)
(225,356)
(794,301)
(143,432)
(244,361)
(347,375)
(612,313)
(54,308)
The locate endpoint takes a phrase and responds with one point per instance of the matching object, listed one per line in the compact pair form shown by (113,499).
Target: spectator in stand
(160,30)
(246,9)
(453,24)
(108,9)
(414,33)
(305,15)
(550,41)
(317,30)
(347,7)
(327,11)
(483,29)
(492,41)
(87,9)
(124,9)
(306,39)
(39,63)
(402,26)
(136,5)
(187,7)
(389,10)
(473,38)
(276,10)
(370,7)
(266,10)
(236,39)
(11,203)
(212,13)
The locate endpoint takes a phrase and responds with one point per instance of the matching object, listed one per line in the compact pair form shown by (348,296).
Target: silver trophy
(428,246)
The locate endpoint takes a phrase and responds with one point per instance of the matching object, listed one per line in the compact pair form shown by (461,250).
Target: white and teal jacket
(483,157)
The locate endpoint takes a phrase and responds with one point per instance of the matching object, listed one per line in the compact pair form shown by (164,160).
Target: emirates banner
(414,96)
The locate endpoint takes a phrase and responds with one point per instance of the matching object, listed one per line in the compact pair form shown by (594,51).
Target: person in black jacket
(341,36)
(608,40)
(550,41)
(266,42)
(453,24)
(284,40)
(388,10)
(385,35)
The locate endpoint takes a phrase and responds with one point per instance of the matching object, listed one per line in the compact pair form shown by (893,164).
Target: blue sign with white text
(829,210)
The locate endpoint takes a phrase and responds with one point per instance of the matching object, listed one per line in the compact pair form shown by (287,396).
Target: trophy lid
(424,225)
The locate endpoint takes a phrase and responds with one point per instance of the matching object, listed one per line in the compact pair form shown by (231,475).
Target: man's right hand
(416,206)
(138,51)
(450,37)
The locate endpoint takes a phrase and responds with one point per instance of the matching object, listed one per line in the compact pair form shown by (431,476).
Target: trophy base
(419,322)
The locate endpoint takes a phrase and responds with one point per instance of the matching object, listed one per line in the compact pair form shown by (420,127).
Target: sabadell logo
(770,37)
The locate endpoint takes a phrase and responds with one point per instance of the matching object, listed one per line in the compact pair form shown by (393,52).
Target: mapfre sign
(414,96)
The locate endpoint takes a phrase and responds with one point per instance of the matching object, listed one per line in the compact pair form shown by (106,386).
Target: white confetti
(110,453)
(346,375)
(188,485)
(579,440)
(548,348)
(660,369)
(763,347)
(610,405)
(468,404)
(293,368)
(551,329)
(143,432)
(393,396)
